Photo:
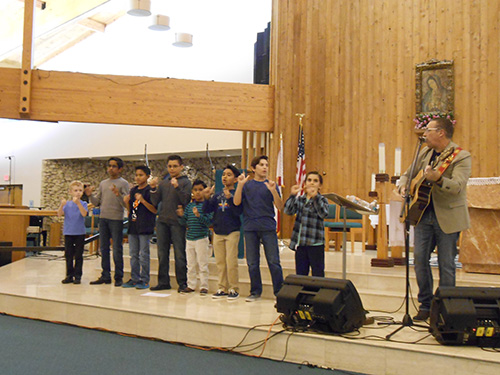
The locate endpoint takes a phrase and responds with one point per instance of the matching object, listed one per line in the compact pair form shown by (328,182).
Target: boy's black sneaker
(100,281)
(220,294)
(160,287)
(67,280)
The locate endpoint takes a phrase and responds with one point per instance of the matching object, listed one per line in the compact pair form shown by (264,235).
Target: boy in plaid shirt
(308,237)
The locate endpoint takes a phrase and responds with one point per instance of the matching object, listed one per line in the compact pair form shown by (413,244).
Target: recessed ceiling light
(140,8)
(183,40)
(160,23)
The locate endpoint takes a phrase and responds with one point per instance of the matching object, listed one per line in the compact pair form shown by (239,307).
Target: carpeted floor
(42,348)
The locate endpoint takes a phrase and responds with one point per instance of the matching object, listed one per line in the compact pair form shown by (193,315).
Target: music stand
(347,204)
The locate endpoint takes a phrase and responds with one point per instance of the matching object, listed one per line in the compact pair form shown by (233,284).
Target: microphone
(421,139)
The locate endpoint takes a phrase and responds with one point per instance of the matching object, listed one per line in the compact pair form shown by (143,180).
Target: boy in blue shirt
(141,225)
(197,251)
(226,223)
(257,197)
(74,212)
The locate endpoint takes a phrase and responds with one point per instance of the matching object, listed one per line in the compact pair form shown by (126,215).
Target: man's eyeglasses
(431,129)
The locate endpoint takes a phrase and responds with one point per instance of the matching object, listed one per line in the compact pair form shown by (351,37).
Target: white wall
(30,142)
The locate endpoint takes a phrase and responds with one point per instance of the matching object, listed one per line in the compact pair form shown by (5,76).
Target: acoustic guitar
(421,190)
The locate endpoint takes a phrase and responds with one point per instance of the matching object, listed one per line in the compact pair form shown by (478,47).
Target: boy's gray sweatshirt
(170,198)
(111,206)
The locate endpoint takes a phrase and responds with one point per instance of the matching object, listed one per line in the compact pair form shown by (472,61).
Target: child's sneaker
(67,280)
(220,294)
(142,285)
(203,292)
(233,294)
(129,284)
(252,298)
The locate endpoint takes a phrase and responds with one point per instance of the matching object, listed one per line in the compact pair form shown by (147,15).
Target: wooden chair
(355,224)
(330,225)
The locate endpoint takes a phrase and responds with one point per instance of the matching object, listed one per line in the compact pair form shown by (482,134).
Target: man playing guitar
(446,169)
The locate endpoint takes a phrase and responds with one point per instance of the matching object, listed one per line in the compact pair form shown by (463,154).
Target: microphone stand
(407,320)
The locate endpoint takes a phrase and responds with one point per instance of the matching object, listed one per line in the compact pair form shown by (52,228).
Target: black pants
(74,251)
(310,256)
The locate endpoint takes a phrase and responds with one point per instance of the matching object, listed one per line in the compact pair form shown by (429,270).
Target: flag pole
(301,156)
(300,116)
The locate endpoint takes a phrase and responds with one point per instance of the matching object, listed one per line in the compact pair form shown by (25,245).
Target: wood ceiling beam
(54,43)
(93,24)
(26,62)
(39,4)
(55,14)
(92,98)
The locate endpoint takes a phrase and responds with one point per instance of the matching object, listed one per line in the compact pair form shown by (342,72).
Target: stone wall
(58,174)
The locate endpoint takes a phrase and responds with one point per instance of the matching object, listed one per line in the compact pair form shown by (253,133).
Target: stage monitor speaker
(5,256)
(466,316)
(320,304)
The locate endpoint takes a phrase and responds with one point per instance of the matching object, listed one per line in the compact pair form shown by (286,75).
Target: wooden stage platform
(32,288)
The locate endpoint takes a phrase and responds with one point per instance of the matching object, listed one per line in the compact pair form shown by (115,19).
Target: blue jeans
(169,234)
(270,241)
(139,257)
(428,234)
(111,229)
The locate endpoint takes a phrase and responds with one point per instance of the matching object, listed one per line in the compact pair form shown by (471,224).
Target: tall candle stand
(382,186)
(371,240)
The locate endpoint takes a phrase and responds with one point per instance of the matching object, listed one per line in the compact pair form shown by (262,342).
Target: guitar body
(420,189)
(421,193)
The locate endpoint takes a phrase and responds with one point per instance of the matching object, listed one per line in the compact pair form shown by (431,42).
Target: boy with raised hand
(74,212)
(171,192)
(141,225)
(257,197)
(308,237)
(109,197)
(226,224)
(198,228)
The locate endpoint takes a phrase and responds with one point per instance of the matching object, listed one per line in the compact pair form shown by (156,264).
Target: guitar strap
(448,161)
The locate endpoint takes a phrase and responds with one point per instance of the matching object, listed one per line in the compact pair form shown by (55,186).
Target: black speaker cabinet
(5,256)
(320,304)
(466,316)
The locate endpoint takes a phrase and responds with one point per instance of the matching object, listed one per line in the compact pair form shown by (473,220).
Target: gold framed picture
(434,87)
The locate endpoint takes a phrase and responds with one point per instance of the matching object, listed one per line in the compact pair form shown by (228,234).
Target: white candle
(381,158)
(372,188)
(397,162)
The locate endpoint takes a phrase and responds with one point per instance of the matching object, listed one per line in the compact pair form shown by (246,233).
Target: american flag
(300,176)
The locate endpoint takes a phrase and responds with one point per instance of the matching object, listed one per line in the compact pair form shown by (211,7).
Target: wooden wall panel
(63,96)
(350,66)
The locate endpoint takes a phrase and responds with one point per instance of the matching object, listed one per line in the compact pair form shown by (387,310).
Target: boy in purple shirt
(74,212)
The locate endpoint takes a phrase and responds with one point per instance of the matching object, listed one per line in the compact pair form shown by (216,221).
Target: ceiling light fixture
(140,8)
(183,40)
(160,23)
